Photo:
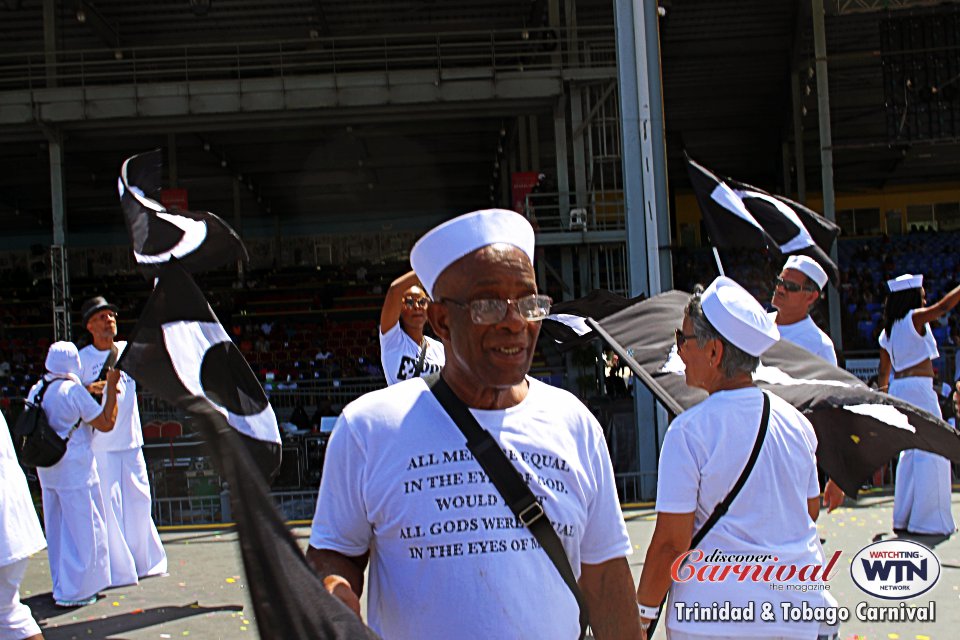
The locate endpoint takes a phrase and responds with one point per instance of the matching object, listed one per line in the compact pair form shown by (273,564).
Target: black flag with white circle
(199,240)
(180,352)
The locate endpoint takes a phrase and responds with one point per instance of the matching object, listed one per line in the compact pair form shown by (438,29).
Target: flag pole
(648,380)
(716,256)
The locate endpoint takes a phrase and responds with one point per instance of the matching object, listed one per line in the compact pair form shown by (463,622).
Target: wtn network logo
(895,569)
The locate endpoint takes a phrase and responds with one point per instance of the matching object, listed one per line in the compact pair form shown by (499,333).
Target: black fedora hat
(95,304)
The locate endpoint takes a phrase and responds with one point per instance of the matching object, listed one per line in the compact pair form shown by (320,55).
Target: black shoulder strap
(511,486)
(38,399)
(418,369)
(38,402)
(724,505)
(109,362)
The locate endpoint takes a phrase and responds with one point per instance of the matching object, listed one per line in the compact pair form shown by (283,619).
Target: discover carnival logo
(895,569)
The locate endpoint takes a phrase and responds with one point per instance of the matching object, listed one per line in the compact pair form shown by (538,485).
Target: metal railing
(195,510)
(309,393)
(561,212)
(494,51)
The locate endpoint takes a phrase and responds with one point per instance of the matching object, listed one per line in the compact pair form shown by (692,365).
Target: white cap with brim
(904,282)
(808,267)
(445,244)
(738,317)
(63,359)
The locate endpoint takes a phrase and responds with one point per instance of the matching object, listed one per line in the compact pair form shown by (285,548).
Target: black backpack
(36,442)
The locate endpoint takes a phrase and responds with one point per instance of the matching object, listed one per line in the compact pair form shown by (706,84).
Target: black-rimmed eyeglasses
(532,308)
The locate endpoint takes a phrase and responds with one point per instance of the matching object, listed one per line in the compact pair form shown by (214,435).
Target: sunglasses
(532,308)
(682,338)
(416,302)
(792,287)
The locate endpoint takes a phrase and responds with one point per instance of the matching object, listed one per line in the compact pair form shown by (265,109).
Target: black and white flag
(740,215)
(180,352)
(858,429)
(566,324)
(199,240)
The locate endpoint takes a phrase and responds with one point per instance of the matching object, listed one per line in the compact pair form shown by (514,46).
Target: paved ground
(205,595)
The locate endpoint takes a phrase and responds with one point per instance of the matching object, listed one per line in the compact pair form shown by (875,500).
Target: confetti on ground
(893,636)
(231,580)
(115,603)
(919,637)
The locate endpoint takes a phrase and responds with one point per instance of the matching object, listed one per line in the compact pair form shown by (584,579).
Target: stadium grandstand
(331,134)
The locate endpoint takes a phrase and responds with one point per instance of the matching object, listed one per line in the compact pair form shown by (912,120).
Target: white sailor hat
(63,359)
(904,282)
(808,267)
(445,244)
(738,317)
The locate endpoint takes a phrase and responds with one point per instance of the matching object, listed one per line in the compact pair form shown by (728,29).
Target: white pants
(16,621)
(135,547)
(922,492)
(76,542)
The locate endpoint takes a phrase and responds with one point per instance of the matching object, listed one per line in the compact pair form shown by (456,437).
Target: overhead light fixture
(81,15)
(206,146)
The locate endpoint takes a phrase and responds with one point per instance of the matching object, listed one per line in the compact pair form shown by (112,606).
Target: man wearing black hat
(135,548)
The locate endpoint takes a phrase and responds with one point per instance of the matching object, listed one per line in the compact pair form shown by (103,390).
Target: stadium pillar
(645,194)
(59,277)
(563,179)
(826,158)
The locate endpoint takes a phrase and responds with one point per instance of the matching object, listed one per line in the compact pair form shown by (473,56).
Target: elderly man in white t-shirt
(401,491)
(706,448)
(135,547)
(798,289)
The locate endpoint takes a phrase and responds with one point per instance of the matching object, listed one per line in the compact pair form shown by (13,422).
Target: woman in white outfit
(402,341)
(72,507)
(921,502)
(20,537)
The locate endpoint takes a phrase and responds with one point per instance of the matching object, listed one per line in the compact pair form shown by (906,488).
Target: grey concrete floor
(205,595)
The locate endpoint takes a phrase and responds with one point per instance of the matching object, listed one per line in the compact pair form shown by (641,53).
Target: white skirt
(135,547)
(922,492)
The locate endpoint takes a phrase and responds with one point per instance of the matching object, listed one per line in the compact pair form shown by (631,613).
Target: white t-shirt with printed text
(399,355)
(704,452)
(447,557)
